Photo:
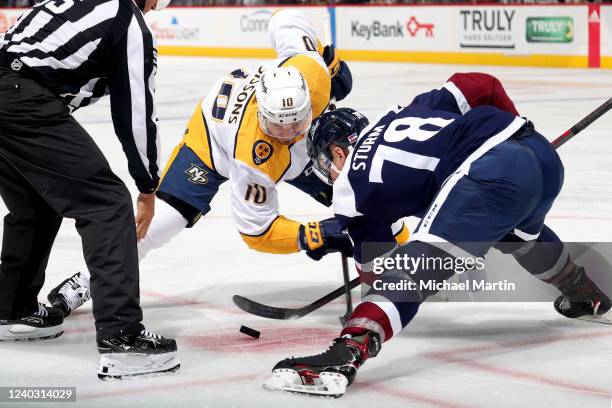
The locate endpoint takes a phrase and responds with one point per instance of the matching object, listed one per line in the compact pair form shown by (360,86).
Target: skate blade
(22,332)
(605,318)
(332,385)
(126,366)
(106,377)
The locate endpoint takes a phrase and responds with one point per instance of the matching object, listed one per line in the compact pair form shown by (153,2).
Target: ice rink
(455,355)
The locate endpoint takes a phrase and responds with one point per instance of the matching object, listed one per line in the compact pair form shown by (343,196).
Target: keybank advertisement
(394,28)
(523,30)
(244,27)
(508,30)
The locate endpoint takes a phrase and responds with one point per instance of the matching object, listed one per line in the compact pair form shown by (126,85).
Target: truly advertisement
(549,30)
(488,28)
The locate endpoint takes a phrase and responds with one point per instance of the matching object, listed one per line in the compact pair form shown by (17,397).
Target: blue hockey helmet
(340,127)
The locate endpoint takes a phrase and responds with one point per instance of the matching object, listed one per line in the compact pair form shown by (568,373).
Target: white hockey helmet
(284,109)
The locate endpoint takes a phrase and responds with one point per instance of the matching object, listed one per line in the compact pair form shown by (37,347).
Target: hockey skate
(70,294)
(127,357)
(327,374)
(582,299)
(45,323)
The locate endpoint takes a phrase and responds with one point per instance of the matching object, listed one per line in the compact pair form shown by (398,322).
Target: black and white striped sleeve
(132,91)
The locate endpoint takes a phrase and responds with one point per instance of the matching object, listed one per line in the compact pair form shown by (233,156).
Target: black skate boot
(136,355)
(581,298)
(70,294)
(327,374)
(45,323)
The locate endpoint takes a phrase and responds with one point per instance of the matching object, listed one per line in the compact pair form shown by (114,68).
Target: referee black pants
(51,168)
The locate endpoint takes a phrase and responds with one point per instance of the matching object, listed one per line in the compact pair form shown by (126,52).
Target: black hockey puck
(250,332)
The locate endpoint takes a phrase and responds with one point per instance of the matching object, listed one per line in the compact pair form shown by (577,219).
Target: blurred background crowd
(29,3)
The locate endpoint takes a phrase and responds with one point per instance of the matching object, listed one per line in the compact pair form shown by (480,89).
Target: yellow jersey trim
(431,57)
(281,237)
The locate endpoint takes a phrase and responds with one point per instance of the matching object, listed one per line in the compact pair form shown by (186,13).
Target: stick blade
(269,312)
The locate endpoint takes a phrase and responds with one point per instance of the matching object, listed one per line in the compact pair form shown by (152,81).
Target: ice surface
(452,355)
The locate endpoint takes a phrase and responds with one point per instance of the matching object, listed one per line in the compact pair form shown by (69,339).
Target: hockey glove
(341,78)
(324,237)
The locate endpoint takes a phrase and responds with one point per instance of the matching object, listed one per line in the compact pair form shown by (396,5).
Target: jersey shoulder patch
(262,151)
(258,150)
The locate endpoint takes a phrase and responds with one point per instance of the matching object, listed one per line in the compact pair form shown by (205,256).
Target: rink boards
(522,35)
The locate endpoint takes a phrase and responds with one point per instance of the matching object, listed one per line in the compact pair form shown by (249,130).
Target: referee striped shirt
(82,50)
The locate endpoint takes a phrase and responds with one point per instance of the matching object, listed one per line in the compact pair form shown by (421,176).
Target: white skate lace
(149,335)
(42,311)
(74,292)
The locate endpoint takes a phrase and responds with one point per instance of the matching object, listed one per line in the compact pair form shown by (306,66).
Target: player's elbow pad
(281,237)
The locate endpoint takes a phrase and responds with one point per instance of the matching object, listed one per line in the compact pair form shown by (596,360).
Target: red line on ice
(458,356)
(408,395)
(165,387)
(517,343)
(179,300)
(528,376)
(273,340)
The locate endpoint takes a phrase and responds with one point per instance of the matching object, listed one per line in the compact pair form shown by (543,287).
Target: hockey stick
(272,312)
(281,313)
(578,127)
(347,290)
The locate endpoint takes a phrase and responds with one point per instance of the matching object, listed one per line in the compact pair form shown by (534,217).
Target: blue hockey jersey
(401,160)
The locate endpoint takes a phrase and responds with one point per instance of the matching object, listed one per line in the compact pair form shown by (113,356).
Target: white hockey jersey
(224,132)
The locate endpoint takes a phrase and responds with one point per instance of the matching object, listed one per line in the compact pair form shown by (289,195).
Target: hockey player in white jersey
(249,130)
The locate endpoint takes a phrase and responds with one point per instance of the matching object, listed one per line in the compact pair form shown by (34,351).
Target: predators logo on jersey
(197,174)
(262,151)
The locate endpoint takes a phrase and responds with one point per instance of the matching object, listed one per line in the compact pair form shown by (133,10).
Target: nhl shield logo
(262,151)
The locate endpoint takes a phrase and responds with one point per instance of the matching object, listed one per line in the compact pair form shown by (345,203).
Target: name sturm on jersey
(361,154)
(244,95)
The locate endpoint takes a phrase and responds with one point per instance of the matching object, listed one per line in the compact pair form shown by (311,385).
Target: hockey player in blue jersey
(476,173)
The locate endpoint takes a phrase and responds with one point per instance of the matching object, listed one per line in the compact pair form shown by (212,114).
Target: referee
(60,56)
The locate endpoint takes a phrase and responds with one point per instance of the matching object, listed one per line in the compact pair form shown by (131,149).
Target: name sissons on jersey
(244,95)
(362,152)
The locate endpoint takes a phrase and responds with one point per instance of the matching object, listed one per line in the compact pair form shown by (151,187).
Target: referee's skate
(136,355)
